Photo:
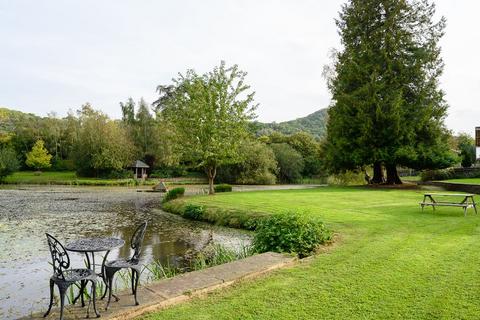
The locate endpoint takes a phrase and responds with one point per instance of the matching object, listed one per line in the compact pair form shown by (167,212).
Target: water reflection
(71,213)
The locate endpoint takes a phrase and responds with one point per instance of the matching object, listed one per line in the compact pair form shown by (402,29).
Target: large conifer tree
(387,108)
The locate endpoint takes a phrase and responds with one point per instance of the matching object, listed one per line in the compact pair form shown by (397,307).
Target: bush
(347,178)
(223,188)
(193,212)
(117,174)
(174,194)
(8,162)
(450,173)
(290,232)
(63,165)
(169,172)
(258,166)
(442,174)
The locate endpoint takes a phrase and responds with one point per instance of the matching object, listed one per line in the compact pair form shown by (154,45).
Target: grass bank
(464,181)
(392,261)
(68,178)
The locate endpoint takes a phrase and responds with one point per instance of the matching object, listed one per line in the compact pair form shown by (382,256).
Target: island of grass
(389,260)
(68,178)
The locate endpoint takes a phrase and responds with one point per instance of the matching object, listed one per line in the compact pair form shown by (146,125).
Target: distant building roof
(139,164)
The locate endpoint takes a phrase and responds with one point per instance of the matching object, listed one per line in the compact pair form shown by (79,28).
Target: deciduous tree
(210,113)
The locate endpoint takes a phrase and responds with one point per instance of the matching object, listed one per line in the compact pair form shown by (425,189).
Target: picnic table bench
(465,201)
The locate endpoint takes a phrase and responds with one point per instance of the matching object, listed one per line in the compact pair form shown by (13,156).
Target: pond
(69,213)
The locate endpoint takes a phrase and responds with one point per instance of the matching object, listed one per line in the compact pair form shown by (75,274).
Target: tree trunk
(392,174)
(377,173)
(211,173)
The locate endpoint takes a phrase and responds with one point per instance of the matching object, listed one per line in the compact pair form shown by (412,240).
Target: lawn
(464,181)
(65,178)
(390,261)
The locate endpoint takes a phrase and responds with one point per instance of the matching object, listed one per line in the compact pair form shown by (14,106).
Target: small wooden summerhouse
(140,169)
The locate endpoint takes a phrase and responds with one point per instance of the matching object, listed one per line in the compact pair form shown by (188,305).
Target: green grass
(464,181)
(66,178)
(390,261)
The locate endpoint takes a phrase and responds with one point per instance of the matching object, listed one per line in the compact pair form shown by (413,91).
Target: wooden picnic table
(465,200)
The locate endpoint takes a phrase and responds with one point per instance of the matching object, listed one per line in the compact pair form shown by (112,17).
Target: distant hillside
(315,124)
(9,117)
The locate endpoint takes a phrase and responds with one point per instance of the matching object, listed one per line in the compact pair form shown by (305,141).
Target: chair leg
(63,291)
(137,277)
(132,280)
(110,273)
(106,288)
(51,299)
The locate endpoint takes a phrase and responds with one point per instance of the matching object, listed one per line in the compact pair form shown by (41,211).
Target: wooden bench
(467,201)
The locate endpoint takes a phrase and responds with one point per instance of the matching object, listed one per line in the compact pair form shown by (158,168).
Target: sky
(57,55)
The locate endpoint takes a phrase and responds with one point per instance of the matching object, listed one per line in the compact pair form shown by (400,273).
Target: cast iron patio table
(90,246)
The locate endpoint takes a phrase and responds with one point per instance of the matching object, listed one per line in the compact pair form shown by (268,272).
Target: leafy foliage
(8,162)
(174,194)
(257,165)
(39,158)
(223,188)
(290,232)
(102,145)
(387,107)
(152,137)
(306,145)
(210,113)
(466,145)
(290,162)
(450,173)
(193,212)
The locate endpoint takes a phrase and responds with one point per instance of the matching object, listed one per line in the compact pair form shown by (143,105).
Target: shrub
(8,162)
(223,188)
(169,172)
(63,165)
(450,173)
(193,212)
(442,174)
(347,178)
(174,194)
(290,232)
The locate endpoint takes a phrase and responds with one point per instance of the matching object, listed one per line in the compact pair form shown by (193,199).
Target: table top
(449,194)
(94,244)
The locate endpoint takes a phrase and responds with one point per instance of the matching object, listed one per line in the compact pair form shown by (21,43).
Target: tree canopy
(210,113)
(387,106)
(8,162)
(39,158)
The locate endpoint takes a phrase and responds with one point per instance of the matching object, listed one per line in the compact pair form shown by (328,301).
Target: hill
(315,124)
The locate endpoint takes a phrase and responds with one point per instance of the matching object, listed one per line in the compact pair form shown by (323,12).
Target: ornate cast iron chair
(133,263)
(64,277)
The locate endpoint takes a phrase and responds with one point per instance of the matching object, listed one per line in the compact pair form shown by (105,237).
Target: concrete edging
(167,292)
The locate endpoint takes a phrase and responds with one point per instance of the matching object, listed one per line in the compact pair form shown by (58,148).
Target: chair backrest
(137,240)
(60,258)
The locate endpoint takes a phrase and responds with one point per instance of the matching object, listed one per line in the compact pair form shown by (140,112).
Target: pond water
(26,214)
